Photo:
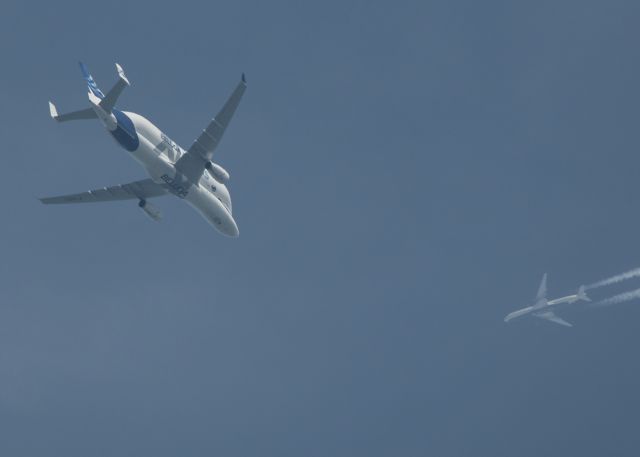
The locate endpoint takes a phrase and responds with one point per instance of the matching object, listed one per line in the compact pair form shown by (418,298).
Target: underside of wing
(550,316)
(193,163)
(211,136)
(140,190)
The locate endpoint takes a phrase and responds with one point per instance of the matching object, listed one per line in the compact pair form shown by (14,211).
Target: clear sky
(402,174)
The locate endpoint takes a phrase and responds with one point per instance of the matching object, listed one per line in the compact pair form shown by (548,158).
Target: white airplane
(188,174)
(541,307)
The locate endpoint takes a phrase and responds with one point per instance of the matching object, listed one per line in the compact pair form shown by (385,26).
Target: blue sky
(402,174)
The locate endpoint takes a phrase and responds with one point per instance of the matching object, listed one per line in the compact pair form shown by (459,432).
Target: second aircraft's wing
(542,290)
(140,190)
(551,316)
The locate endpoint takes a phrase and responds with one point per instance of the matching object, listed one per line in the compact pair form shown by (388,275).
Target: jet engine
(219,173)
(150,210)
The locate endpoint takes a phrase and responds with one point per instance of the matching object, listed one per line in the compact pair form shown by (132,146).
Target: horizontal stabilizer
(53,110)
(121,74)
(109,100)
(72,116)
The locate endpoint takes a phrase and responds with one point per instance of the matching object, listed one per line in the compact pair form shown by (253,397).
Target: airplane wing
(140,190)
(550,316)
(542,290)
(193,162)
(211,136)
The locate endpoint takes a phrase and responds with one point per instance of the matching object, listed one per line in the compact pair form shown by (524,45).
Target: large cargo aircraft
(189,174)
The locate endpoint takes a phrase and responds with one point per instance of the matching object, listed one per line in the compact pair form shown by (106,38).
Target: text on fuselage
(169,147)
(174,186)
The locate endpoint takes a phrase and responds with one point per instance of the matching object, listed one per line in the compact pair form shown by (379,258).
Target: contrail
(620,298)
(615,279)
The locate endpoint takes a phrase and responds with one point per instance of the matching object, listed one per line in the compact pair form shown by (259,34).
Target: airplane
(189,174)
(541,307)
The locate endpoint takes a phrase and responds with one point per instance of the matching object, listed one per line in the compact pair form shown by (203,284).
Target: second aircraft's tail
(582,294)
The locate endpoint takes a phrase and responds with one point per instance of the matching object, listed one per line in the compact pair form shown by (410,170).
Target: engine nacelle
(219,173)
(150,210)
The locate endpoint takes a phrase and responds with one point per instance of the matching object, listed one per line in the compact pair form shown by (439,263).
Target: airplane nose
(233,231)
(218,216)
(229,228)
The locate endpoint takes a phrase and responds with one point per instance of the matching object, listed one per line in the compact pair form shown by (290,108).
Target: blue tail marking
(93,87)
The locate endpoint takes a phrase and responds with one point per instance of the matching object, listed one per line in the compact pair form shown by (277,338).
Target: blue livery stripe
(93,87)
(125,133)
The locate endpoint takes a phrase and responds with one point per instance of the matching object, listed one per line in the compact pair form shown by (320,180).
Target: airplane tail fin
(91,84)
(582,294)
(97,98)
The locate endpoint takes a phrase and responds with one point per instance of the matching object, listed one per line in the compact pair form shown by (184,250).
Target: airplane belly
(152,160)
(212,210)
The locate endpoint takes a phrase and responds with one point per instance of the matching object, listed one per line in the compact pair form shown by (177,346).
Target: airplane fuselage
(158,154)
(541,307)
(190,175)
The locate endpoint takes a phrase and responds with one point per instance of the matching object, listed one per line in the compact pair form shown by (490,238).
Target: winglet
(121,74)
(244,79)
(53,111)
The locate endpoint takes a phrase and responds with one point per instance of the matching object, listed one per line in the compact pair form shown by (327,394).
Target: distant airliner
(188,174)
(541,307)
